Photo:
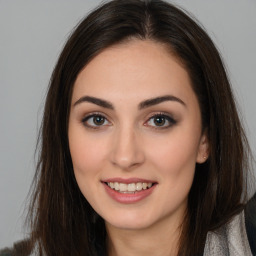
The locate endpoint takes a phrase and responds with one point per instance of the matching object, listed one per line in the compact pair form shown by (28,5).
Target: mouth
(130,188)
(129,191)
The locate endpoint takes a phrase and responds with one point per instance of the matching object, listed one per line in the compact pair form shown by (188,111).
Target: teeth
(144,185)
(116,186)
(122,187)
(129,188)
(138,186)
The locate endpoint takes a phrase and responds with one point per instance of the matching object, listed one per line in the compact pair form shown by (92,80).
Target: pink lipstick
(130,190)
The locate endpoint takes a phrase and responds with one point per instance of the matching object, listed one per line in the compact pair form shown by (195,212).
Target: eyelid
(168,116)
(91,115)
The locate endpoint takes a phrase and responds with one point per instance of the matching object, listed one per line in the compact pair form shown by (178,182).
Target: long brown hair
(62,221)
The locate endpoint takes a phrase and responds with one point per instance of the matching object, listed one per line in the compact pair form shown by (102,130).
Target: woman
(137,155)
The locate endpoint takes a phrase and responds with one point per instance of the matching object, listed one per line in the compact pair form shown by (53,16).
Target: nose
(127,149)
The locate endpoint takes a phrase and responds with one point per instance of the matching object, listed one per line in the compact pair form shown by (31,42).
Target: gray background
(32,34)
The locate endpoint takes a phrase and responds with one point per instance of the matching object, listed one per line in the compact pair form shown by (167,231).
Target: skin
(129,144)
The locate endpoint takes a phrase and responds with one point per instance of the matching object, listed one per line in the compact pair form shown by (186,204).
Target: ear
(203,149)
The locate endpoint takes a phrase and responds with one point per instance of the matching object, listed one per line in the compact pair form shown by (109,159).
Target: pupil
(159,121)
(98,120)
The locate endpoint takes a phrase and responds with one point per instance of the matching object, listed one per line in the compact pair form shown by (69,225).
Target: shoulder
(238,237)
(21,248)
(250,223)
(6,252)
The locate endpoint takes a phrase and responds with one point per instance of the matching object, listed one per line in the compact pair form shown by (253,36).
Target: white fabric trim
(230,240)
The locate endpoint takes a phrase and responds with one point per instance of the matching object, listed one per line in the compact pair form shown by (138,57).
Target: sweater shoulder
(250,223)
(6,252)
(21,248)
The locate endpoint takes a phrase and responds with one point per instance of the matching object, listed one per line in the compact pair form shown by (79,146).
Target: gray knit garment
(229,240)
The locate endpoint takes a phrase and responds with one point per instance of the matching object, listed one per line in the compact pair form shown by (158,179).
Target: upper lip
(128,180)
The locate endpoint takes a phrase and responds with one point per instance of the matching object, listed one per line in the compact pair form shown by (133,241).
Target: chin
(130,220)
(130,225)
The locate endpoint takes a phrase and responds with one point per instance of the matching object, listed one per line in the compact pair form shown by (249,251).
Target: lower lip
(128,198)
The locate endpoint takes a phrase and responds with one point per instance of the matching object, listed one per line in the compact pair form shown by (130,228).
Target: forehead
(132,70)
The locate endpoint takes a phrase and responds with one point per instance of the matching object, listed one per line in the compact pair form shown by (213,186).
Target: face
(135,135)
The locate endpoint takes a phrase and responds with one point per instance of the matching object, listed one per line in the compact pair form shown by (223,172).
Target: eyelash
(166,118)
(93,115)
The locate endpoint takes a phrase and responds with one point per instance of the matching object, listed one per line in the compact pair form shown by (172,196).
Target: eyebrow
(158,100)
(142,105)
(94,100)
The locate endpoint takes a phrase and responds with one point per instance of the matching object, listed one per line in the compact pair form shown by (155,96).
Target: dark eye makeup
(160,121)
(156,121)
(95,121)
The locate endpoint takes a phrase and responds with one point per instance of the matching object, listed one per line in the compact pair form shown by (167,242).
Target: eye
(95,121)
(161,121)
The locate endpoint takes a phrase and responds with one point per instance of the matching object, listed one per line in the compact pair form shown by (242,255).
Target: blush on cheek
(175,161)
(81,152)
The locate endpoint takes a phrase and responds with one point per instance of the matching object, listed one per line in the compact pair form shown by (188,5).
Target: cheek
(82,158)
(85,151)
(175,155)
(86,157)
(175,160)
(86,154)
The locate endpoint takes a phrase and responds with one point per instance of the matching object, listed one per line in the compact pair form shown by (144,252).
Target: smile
(130,187)
(129,191)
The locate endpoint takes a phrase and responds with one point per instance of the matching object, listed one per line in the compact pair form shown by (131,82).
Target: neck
(160,239)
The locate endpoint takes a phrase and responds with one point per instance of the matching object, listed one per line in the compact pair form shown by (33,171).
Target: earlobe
(203,150)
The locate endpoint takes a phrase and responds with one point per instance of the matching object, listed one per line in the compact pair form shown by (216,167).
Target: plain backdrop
(32,34)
